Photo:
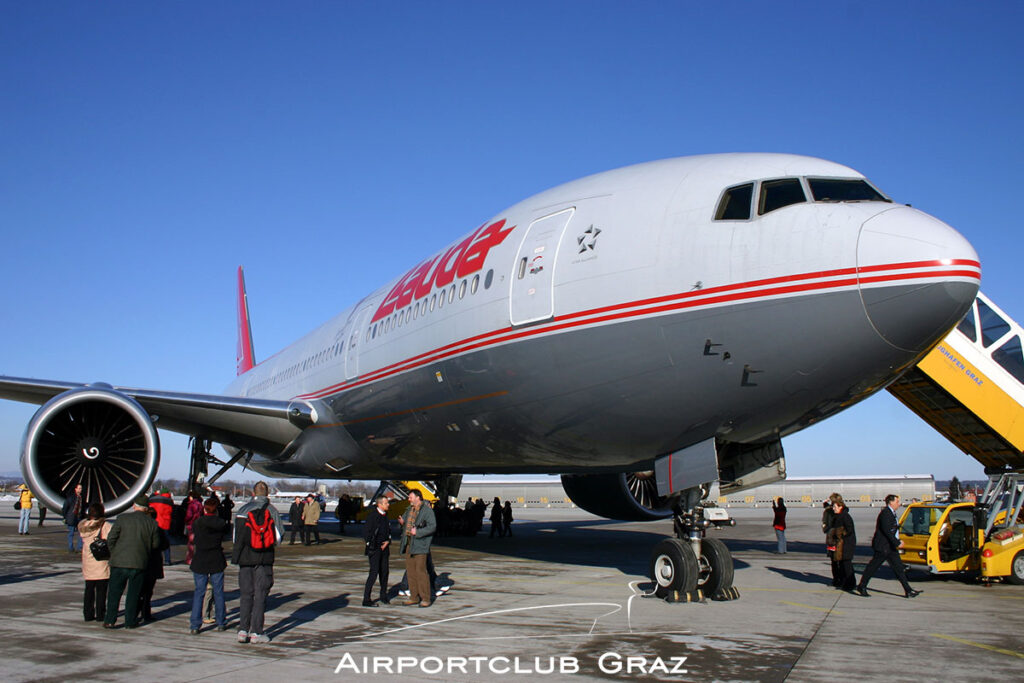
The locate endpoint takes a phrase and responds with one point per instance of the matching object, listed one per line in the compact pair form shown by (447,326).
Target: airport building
(810,491)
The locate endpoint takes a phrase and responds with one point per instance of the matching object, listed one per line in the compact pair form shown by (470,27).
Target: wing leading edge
(259,425)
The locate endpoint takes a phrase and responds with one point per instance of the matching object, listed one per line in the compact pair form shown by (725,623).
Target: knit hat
(141,500)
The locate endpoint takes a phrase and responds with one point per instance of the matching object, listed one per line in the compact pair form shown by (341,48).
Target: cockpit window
(776,194)
(735,205)
(844,190)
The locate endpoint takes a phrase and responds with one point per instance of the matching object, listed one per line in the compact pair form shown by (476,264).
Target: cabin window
(474,285)
(1010,357)
(992,325)
(966,326)
(489,278)
(776,194)
(433,300)
(440,301)
(462,289)
(844,190)
(451,294)
(735,204)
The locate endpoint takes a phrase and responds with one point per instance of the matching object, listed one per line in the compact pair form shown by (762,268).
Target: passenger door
(354,343)
(532,297)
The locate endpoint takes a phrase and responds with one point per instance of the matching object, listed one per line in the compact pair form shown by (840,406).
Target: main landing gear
(691,567)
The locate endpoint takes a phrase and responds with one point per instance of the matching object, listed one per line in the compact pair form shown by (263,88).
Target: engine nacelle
(629,496)
(93,436)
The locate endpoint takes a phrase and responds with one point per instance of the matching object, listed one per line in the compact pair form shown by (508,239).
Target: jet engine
(93,436)
(629,496)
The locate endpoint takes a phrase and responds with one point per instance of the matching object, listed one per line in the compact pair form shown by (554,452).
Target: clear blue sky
(148,149)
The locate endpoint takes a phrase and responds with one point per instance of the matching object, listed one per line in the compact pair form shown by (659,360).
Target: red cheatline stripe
(725,293)
(384,371)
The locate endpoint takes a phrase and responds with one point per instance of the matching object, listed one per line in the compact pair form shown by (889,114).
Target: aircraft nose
(917,276)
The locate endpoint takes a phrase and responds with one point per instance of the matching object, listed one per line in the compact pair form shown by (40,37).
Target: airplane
(650,333)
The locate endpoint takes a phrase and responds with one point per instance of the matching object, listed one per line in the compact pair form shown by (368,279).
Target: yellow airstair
(970,387)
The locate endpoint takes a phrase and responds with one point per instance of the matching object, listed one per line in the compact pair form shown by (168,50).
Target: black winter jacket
(208,533)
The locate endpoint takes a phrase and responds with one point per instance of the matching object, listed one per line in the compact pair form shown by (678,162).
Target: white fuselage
(635,273)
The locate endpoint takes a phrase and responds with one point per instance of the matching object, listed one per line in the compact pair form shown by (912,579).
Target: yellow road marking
(981,645)
(820,609)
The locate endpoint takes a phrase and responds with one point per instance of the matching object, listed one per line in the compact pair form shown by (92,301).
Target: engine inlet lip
(55,499)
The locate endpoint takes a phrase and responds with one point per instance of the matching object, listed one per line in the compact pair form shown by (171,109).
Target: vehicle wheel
(673,568)
(1017,569)
(715,568)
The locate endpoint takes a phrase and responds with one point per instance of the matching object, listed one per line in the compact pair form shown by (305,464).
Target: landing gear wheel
(673,568)
(715,568)
(1017,569)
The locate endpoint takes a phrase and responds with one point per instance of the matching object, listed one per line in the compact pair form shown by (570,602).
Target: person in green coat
(131,539)
(418,528)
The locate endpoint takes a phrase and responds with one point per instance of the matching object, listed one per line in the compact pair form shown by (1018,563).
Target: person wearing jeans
(779,506)
(25,499)
(73,513)
(208,565)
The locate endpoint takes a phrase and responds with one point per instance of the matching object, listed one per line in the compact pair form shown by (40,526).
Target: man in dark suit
(378,551)
(295,519)
(886,543)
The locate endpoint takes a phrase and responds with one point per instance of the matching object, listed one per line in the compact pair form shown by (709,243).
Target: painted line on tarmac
(617,606)
(1000,650)
(539,637)
(826,610)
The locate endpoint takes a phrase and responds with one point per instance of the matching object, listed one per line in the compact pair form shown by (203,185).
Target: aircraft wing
(259,425)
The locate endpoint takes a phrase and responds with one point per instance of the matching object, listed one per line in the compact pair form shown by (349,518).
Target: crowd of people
(125,558)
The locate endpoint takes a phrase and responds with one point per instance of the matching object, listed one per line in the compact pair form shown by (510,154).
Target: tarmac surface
(562,599)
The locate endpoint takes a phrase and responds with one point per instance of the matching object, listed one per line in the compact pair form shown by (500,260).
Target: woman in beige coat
(96,572)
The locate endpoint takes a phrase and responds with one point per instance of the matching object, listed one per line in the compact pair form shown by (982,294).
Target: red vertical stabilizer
(244,357)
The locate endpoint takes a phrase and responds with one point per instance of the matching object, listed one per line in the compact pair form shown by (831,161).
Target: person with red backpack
(257,533)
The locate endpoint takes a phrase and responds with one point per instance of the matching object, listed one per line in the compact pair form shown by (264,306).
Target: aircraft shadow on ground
(586,543)
(771,546)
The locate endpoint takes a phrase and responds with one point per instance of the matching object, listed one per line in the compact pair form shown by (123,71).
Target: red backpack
(261,535)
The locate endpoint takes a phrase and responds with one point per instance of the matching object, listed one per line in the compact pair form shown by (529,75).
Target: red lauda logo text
(465,258)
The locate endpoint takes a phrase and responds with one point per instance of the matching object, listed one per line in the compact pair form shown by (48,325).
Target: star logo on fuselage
(588,240)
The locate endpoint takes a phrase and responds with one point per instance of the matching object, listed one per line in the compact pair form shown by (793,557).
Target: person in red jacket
(779,522)
(164,505)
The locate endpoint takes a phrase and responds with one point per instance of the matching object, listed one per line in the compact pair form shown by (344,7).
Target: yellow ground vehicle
(984,537)
(400,489)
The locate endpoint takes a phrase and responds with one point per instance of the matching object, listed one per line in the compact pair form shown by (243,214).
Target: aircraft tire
(1017,569)
(674,568)
(715,569)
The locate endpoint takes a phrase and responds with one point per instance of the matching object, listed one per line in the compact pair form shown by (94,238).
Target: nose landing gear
(691,567)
